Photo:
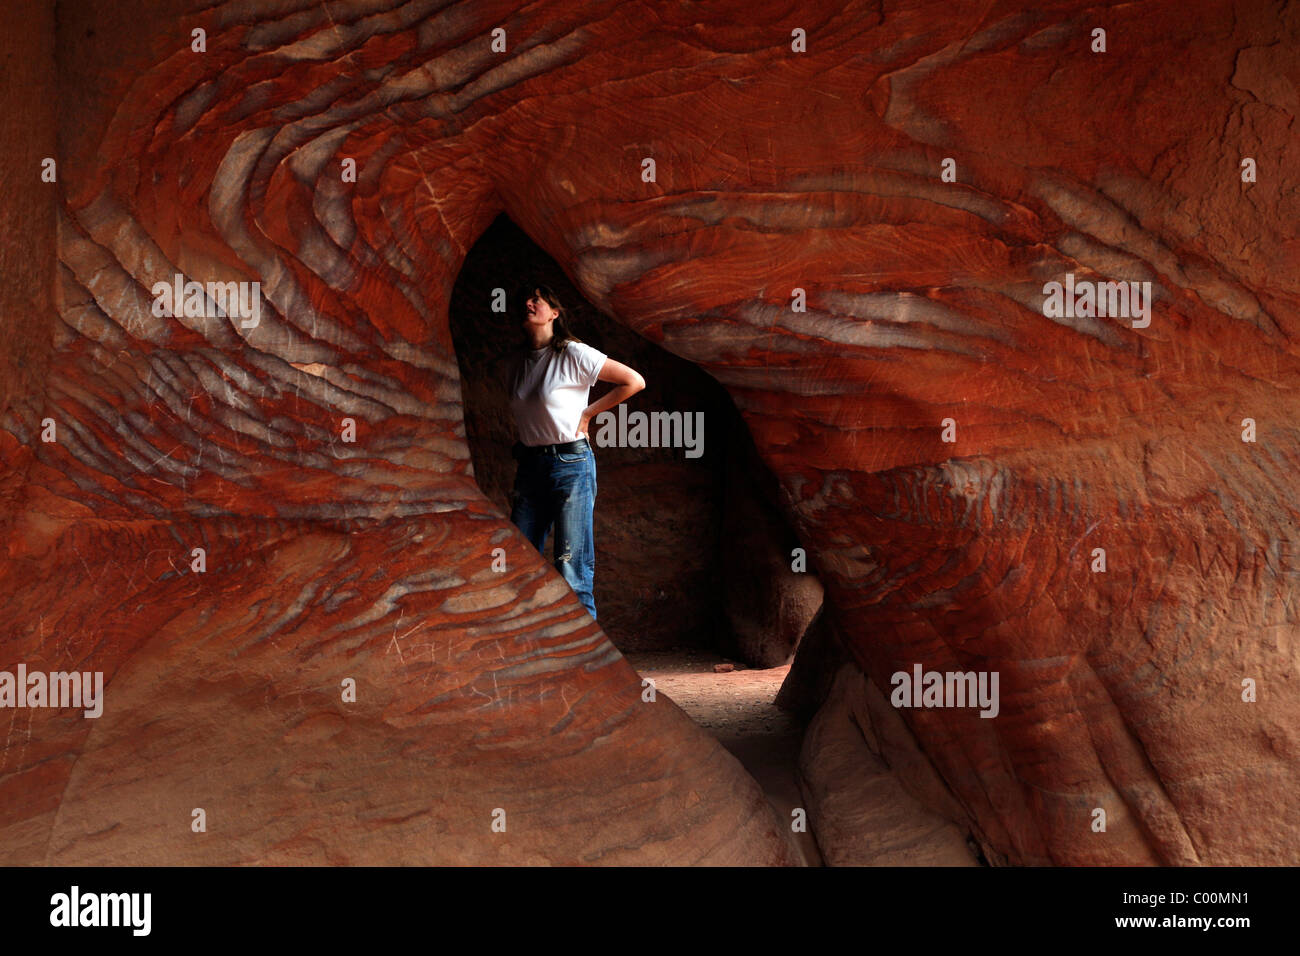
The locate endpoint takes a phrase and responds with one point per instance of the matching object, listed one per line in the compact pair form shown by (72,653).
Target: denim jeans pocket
(570,459)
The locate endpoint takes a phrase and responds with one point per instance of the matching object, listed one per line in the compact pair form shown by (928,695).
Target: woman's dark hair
(562,335)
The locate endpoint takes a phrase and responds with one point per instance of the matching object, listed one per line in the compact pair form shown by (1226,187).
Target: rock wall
(798,240)
(873,799)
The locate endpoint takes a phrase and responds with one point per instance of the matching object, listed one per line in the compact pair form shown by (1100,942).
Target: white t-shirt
(548,392)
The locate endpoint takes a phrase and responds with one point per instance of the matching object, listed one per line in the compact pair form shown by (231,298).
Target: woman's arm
(629,381)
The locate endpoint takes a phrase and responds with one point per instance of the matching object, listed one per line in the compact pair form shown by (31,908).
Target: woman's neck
(542,343)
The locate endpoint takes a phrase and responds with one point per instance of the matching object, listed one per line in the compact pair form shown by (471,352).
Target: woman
(556,479)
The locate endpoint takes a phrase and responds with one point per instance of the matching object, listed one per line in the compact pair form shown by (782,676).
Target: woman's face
(539,311)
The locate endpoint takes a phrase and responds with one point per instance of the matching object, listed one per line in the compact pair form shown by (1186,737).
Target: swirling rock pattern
(775,170)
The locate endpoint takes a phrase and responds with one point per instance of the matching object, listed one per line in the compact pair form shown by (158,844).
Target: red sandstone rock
(859,805)
(775,171)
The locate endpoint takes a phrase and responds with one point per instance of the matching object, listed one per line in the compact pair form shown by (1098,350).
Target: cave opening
(694,583)
(693,553)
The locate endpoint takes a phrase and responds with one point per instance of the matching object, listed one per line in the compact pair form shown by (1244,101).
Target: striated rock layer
(481,689)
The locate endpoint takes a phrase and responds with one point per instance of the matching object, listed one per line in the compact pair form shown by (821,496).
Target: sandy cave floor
(738,709)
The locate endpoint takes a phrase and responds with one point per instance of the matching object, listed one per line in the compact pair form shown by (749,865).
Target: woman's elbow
(637,383)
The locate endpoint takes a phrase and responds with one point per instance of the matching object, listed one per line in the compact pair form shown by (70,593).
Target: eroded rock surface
(873,799)
(774,171)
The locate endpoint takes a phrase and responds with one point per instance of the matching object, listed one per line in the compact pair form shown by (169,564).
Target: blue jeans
(560,489)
